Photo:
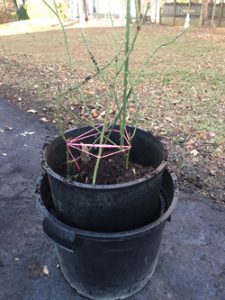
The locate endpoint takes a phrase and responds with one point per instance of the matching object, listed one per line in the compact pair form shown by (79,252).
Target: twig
(55,12)
(88,78)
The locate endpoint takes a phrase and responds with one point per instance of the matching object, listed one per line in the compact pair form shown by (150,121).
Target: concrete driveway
(39,25)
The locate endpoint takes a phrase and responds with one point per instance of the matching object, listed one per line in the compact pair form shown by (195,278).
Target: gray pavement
(192,260)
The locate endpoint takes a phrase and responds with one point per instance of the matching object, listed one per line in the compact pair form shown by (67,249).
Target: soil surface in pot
(112,170)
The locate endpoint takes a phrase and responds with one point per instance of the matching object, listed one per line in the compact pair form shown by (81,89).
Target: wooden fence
(175,14)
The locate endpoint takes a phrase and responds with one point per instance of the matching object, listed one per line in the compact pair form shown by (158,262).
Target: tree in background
(21,11)
(220,13)
(204,12)
(83,13)
(5,12)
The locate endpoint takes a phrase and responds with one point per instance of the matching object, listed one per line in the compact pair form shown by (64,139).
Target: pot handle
(62,236)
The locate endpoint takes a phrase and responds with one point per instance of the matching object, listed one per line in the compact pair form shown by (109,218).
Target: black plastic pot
(108,265)
(112,207)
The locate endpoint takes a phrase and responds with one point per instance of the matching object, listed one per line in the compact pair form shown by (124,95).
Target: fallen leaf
(212,172)
(202,135)
(36,270)
(194,152)
(25,133)
(175,102)
(212,134)
(32,111)
(45,270)
(9,128)
(191,142)
(168,119)
(44,119)
(94,113)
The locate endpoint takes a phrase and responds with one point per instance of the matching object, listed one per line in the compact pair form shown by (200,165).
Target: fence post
(174,12)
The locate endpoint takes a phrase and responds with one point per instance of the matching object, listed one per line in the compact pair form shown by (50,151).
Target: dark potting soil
(112,170)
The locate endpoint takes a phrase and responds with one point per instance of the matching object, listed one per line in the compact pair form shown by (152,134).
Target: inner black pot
(113,207)
(108,265)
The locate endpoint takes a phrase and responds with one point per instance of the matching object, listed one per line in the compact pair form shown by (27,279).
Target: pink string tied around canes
(76,143)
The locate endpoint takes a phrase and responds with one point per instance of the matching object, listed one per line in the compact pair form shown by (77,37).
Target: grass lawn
(181,98)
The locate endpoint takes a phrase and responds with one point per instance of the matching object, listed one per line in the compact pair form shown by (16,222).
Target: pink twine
(75,143)
(73,158)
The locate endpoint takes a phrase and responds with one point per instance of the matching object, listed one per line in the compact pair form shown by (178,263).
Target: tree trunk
(221,14)
(204,12)
(82,11)
(86,10)
(5,6)
(189,4)
(15,4)
(21,11)
(213,13)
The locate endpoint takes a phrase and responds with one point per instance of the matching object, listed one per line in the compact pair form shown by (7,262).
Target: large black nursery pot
(103,265)
(113,207)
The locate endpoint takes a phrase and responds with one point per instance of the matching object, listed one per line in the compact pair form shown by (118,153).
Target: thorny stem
(91,55)
(126,74)
(85,123)
(138,13)
(128,85)
(138,27)
(106,119)
(126,61)
(101,141)
(137,81)
(117,51)
(87,79)
(58,117)
(59,121)
(138,77)
(98,70)
(55,12)
(103,130)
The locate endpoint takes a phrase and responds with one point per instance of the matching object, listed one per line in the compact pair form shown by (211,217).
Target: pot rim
(108,236)
(88,186)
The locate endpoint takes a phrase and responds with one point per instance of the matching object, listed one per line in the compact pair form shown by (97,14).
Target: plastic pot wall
(112,207)
(108,265)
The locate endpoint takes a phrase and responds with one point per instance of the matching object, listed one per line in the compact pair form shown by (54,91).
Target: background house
(168,12)
(103,8)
